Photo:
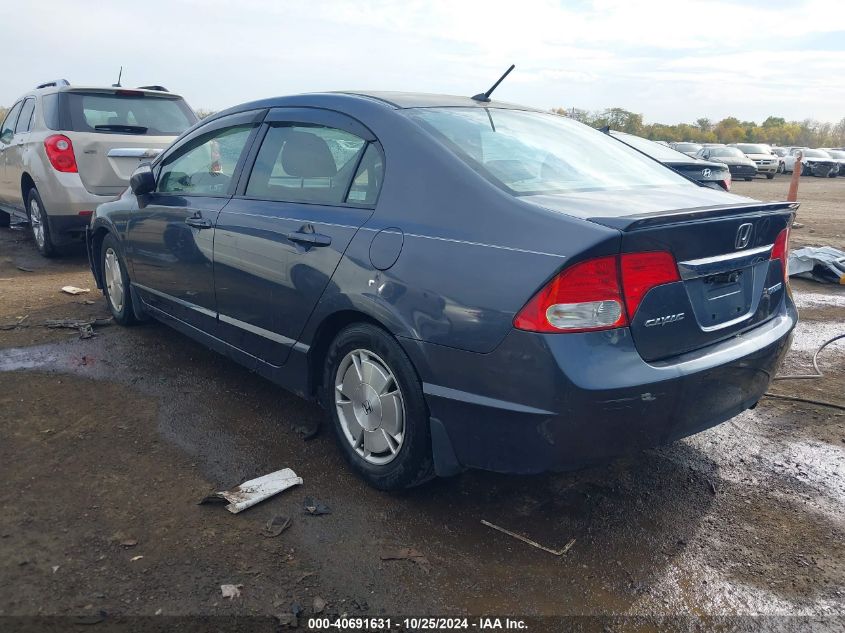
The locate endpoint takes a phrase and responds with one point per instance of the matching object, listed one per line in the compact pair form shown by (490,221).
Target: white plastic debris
(255,490)
(231,591)
(73,290)
(821,263)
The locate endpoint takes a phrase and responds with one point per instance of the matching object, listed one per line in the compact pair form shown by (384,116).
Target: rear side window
(299,163)
(25,119)
(8,130)
(205,167)
(128,114)
(50,111)
(368,178)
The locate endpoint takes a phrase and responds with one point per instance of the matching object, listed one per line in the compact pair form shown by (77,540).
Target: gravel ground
(110,442)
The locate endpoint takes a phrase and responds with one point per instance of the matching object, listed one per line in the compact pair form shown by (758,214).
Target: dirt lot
(109,442)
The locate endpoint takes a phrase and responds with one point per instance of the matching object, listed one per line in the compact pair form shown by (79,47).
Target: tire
(39,224)
(781,168)
(770,176)
(116,282)
(805,171)
(395,453)
(5,219)
(748,179)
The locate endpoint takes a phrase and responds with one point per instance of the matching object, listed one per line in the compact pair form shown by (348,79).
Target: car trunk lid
(728,279)
(106,161)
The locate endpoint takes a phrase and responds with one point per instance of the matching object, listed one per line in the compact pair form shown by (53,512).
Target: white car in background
(767,163)
(815,162)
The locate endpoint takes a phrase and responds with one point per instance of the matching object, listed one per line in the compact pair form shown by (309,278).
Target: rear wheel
(116,281)
(379,415)
(40,226)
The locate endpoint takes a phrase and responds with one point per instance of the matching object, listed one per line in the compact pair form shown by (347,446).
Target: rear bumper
(559,402)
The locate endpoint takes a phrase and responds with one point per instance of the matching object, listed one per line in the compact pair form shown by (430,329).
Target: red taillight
(59,150)
(593,294)
(643,271)
(583,297)
(86,214)
(781,250)
(727,181)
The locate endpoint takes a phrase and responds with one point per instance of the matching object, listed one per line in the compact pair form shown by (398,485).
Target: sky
(672,61)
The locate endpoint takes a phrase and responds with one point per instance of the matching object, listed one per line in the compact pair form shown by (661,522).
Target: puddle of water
(16,358)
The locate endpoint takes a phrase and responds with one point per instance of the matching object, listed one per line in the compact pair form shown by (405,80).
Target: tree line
(774,130)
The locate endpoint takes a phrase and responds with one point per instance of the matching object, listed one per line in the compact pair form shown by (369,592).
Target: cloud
(671,60)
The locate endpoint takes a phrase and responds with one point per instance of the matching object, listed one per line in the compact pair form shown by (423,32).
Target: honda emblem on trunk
(743,235)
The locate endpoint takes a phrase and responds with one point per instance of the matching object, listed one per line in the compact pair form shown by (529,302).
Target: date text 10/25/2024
(418,624)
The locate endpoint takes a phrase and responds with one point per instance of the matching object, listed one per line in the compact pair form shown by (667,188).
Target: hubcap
(370,406)
(36,222)
(114,279)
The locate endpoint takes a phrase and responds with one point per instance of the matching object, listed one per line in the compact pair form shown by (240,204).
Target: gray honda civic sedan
(460,283)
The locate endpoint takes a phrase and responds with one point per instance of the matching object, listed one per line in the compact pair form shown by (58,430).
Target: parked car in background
(707,173)
(839,156)
(766,162)
(781,153)
(815,162)
(740,165)
(690,149)
(460,282)
(65,149)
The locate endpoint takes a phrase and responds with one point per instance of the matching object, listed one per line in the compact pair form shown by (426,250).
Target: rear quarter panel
(472,255)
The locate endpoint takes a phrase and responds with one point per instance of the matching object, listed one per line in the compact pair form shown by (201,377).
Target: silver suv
(65,149)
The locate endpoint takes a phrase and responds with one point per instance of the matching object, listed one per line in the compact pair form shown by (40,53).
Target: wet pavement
(114,439)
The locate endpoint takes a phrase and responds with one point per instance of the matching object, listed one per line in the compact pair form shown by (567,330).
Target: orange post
(792,196)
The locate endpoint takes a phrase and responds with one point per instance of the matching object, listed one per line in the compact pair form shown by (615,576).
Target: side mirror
(142,181)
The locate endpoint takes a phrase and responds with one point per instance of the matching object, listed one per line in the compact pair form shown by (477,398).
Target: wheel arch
(96,236)
(325,333)
(27,185)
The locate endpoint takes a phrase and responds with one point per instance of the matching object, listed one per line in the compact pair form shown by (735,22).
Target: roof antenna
(119,75)
(485,96)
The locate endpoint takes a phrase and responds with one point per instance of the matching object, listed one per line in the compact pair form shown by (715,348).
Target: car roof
(431,100)
(389,100)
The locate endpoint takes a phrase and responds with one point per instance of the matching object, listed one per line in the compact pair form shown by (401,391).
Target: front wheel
(748,179)
(38,223)
(376,404)
(770,176)
(116,281)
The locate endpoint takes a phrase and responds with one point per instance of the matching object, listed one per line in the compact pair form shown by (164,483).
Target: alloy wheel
(370,406)
(114,279)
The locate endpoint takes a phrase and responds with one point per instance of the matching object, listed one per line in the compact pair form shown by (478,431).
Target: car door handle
(198,222)
(311,239)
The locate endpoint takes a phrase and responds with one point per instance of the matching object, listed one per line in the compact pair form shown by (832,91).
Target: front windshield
(750,148)
(655,150)
(726,152)
(835,153)
(534,152)
(815,153)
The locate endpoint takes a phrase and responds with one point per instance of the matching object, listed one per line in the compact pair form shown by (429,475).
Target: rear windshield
(655,150)
(687,147)
(128,114)
(534,152)
(726,152)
